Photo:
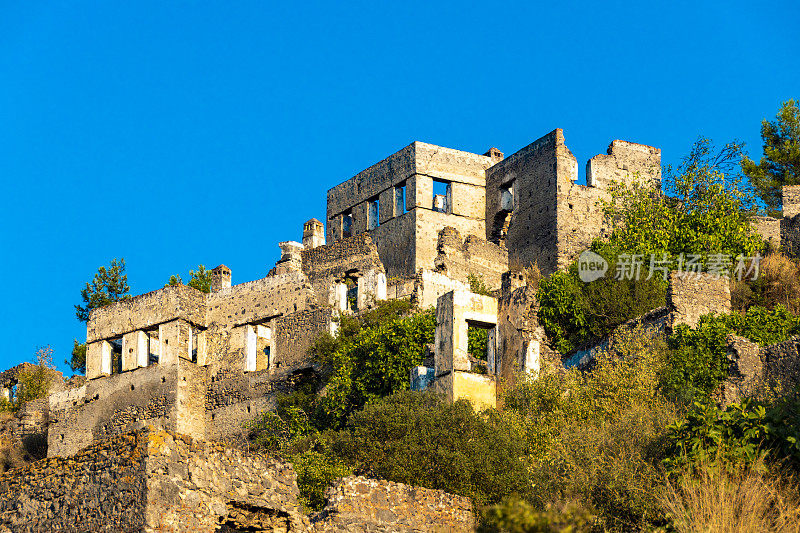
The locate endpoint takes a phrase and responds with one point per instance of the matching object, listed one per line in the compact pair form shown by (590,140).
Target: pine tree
(108,286)
(200,279)
(780,164)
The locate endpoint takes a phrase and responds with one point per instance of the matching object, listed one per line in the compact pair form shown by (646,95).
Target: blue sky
(179,133)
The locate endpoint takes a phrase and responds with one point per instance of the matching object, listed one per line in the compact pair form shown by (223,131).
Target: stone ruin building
(416,225)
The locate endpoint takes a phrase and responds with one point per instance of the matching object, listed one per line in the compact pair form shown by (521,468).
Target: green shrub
(477,285)
(738,435)
(315,473)
(371,356)
(419,439)
(697,359)
(573,312)
(598,438)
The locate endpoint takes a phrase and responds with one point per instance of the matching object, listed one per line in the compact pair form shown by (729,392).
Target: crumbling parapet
(790,197)
(459,259)
(691,295)
(625,162)
(291,259)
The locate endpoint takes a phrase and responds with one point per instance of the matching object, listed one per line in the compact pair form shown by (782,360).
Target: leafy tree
(573,312)
(33,382)
(108,286)
(705,211)
(780,164)
(200,279)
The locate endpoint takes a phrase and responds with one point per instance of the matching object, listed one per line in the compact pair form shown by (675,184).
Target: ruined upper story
(406,199)
(416,225)
(537,210)
(528,203)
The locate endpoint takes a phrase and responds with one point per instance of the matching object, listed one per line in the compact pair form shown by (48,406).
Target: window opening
(441,196)
(400,199)
(347,224)
(373,214)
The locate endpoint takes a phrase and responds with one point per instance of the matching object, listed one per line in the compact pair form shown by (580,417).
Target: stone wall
(360,504)
(164,396)
(521,341)
(159,481)
(534,206)
(295,333)
(690,296)
(790,198)
(770,230)
(625,162)
(101,489)
(258,300)
(790,236)
(150,481)
(761,370)
(532,231)
(459,258)
(146,311)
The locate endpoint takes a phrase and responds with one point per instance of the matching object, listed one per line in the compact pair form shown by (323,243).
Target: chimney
(313,234)
(495,154)
(220,278)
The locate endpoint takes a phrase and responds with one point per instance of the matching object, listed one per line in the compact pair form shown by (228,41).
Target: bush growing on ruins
(515,515)
(200,279)
(697,358)
(315,473)
(573,312)
(420,439)
(371,356)
(704,211)
(597,438)
(288,433)
(780,164)
(741,434)
(34,383)
(778,283)
(477,285)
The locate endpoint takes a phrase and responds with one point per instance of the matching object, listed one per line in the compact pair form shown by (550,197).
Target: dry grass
(747,501)
(778,283)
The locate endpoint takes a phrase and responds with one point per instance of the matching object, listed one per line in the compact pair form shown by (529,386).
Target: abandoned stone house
(415,225)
